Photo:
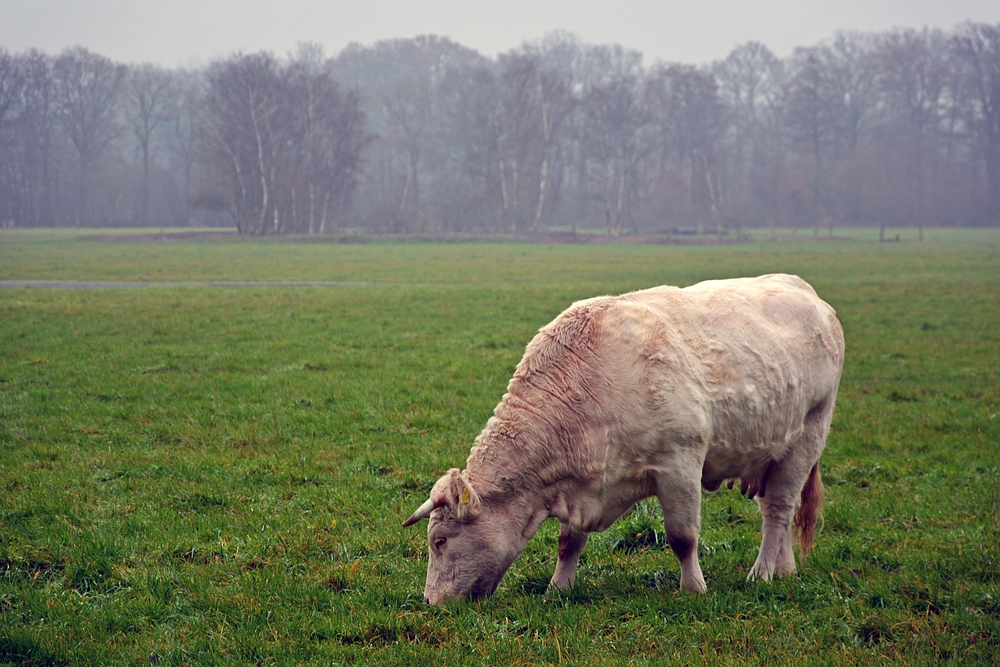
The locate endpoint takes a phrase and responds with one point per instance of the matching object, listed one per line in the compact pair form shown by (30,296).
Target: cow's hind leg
(680,497)
(571,544)
(775,556)
(781,497)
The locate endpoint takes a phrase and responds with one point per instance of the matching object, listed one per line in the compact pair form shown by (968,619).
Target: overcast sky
(193,32)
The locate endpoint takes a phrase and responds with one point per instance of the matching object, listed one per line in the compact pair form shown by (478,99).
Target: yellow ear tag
(466,499)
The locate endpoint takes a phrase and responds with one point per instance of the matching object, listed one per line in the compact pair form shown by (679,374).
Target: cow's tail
(805,518)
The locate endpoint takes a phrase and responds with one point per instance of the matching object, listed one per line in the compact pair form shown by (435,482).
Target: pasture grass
(217,476)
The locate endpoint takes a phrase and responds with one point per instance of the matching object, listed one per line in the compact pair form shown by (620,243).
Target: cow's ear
(462,496)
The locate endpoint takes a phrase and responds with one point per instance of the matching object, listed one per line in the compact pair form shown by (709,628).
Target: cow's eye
(439,542)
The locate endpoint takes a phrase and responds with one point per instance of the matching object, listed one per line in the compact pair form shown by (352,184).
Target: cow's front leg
(680,497)
(571,544)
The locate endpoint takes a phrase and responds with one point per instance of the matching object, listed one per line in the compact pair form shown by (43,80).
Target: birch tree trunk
(326,207)
(621,199)
(261,170)
(513,194)
(546,148)
(502,164)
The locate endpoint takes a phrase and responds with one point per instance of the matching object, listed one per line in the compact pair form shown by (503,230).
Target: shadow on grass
(20,649)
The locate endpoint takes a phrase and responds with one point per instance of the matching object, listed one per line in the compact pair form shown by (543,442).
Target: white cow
(660,392)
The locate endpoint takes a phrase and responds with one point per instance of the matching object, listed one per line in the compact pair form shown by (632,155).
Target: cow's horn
(422,512)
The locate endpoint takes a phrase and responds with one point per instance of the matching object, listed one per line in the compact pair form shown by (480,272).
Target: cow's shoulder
(566,342)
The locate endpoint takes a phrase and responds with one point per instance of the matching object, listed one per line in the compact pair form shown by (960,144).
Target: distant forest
(424,135)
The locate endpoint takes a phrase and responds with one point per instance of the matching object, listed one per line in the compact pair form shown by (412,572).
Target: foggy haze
(192,32)
(649,118)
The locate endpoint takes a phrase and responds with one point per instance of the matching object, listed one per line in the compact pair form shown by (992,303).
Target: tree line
(425,135)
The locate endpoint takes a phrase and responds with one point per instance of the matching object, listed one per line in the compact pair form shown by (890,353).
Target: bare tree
(753,88)
(851,75)
(750,77)
(12,83)
(88,94)
(187,126)
(284,142)
(343,139)
(11,86)
(851,80)
(326,133)
(242,101)
(399,82)
(615,121)
(514,130)
(690,117)
(305,79)
(150,104)
(978,48)
(35,135)
(809,116)
(468,196)
(555,102)
(914,77)
(424,134)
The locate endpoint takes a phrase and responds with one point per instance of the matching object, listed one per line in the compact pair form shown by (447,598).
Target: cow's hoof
(696,586)
(560,586)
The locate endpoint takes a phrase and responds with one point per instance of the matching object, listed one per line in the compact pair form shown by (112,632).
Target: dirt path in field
(682,238)
(104,284)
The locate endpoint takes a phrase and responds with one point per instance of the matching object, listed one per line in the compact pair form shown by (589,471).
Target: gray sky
(193,32)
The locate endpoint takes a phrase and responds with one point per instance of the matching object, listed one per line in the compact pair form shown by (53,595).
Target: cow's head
(471,542)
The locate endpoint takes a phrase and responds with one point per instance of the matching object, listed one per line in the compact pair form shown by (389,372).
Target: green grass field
(217,476)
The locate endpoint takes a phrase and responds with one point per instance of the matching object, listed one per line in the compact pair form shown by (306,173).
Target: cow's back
(727,368)
(732,366)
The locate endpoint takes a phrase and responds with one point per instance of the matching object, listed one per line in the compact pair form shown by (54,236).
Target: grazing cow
(660,392)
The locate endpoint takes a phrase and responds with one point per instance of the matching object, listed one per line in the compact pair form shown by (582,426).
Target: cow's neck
(518,459)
